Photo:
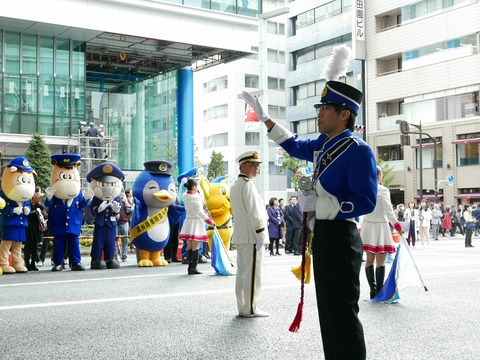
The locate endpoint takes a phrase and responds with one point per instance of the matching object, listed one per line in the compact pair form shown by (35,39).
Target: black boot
(270,247)
(277,244)
(380,277)
(189,260)
(193,270)
(371,281)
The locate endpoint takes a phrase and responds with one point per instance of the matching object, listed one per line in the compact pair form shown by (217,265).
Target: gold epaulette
(245,177)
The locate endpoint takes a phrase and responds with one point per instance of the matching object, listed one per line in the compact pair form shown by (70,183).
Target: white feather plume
(337,65)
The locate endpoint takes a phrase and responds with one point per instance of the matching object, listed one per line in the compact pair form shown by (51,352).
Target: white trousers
(249,277)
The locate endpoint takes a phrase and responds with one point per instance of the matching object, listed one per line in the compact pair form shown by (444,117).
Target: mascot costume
(106,183)
(65,203)
(18,187)
(217,200)
(155,195)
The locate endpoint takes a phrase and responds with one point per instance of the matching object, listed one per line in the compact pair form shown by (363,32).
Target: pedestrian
(193,229)
(95,136)
(476,215)
(447,221)
(275,225)
(436,221)
(34,231)
(469,221)
(412,224)
(249,235)
(400,212)
(425,217)
(281,205)
(293,219)
(345,183)
(122,226)
(459,220)
(377,237)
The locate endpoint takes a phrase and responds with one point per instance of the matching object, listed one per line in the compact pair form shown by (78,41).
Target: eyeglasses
(254,164)
(324,108)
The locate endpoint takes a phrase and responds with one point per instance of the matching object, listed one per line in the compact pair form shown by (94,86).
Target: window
(215,140)
(468,152)
(215,85)
(251,81)
(390,153)
(252,138)
(428,155)
(216,112)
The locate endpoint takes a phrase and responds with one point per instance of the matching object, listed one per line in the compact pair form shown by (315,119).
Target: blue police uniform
(345,183)
(105,231)
(65,224)
(13,225)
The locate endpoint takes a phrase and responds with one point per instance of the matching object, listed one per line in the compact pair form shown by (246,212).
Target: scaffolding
(93,152)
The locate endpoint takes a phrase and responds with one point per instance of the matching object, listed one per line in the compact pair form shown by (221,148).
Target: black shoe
(176,261)
(112,264)
(78,267)
(278,254)
(202,260)
(271,253)
(57,268)
(296,253)
(97,264)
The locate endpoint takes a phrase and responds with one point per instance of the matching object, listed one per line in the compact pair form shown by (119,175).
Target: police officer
(249,235)
(345,182)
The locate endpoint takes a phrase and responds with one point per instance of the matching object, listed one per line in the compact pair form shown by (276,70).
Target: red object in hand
(397,226)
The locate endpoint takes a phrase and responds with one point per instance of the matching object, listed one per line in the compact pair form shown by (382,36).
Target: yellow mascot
(217,200)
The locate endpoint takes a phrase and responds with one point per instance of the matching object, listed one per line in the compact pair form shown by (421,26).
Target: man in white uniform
(249,235)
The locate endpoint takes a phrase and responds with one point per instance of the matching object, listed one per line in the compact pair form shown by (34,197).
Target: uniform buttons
(68,217)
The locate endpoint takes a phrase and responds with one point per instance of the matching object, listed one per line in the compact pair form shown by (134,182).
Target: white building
(220,115)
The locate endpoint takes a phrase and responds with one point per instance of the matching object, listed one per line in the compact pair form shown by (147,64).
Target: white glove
(26,210)
(103,206)
(49,191)
(115,205)
(18,210)
(254,102)
(88,194)
(260,244)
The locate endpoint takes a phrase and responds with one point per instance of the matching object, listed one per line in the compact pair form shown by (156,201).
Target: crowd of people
(427,221)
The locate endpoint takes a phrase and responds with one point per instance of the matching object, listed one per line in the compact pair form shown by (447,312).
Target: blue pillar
(185,120)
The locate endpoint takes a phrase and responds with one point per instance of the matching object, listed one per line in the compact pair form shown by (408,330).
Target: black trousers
(337,259)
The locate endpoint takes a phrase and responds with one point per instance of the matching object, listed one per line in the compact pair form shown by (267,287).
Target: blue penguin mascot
(155,195)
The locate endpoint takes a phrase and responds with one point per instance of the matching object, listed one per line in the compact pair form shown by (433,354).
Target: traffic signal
(405,140)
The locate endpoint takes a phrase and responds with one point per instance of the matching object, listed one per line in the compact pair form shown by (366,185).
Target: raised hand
(256,105)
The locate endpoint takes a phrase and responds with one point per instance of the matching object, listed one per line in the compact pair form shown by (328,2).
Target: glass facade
(43,89)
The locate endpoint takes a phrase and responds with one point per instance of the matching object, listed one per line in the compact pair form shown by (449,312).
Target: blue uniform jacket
(105,217)
(344,166)
(9,218)
(63,219)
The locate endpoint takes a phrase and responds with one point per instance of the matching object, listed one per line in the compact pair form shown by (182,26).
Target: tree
(216,167)
(38,153)
(294,165)
(386,170)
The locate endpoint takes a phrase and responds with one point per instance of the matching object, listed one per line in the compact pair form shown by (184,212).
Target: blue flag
(221,262)
(404,273)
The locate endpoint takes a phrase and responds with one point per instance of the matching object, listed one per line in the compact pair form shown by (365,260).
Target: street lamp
(263,85)
(405,140)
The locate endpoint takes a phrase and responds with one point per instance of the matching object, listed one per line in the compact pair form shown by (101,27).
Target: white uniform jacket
(249,214)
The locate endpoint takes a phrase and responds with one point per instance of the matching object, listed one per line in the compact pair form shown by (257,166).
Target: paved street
(150,313)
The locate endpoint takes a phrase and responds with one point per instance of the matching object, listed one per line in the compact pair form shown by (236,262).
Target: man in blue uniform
(345,183)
